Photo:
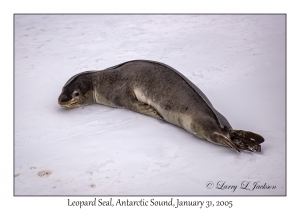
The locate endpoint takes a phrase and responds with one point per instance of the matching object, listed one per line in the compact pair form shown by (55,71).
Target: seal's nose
(62,98)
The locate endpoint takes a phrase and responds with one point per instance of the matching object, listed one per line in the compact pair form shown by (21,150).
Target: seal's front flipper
(144,108)
(223,140)
(246,140)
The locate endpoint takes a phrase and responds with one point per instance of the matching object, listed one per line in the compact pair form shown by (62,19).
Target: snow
(238,61)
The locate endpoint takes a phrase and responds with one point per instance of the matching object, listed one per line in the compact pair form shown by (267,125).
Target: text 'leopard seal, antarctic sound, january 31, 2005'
(157,90)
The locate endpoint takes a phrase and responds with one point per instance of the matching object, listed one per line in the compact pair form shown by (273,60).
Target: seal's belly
(172,116)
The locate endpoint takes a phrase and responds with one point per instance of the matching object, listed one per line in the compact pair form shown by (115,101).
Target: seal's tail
(246,140)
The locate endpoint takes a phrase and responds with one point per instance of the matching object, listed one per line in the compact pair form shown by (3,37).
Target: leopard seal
(158,90)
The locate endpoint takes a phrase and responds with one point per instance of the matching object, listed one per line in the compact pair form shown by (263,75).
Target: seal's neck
(90,98)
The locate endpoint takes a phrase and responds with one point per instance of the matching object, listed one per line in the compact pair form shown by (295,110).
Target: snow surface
(238,61)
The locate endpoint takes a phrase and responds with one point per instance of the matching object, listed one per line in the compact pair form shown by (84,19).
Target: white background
(198,79)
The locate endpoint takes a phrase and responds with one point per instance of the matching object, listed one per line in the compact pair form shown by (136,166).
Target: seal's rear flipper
(246,140)
(250,137)
(223,140)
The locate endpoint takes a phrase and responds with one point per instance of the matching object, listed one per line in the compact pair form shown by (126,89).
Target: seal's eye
(76,94)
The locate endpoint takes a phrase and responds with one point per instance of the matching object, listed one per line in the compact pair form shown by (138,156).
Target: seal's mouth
(73,103)
(69,105)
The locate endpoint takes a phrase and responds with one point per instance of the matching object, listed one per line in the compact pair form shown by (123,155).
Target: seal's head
(77,91)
